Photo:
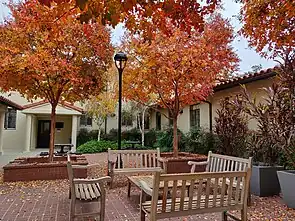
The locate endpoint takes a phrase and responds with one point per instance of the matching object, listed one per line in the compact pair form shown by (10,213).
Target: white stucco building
(26,125)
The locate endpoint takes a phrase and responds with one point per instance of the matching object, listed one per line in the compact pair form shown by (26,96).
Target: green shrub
(150,138)
(133,134)
(95,146)
(84,136)
(111,136)
(165,140)
(200,141)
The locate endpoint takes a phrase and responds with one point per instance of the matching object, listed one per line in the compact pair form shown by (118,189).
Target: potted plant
(264,142)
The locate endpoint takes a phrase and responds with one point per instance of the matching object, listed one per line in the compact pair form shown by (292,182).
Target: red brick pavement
(48,201)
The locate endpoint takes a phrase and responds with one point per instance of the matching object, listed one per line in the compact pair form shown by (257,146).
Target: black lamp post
(120,61)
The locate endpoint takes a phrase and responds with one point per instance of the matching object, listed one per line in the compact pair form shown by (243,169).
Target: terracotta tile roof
(264,74)
(10,103)
(65,104)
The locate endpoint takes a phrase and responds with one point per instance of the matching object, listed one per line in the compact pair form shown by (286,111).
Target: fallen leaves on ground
(262,208)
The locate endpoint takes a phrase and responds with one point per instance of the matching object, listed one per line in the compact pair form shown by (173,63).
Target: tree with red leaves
(181,69)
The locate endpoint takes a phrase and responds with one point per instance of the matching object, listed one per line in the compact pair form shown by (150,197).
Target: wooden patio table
(137,180)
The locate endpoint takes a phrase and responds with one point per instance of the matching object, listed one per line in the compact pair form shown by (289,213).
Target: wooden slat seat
(194,205)
(86,190)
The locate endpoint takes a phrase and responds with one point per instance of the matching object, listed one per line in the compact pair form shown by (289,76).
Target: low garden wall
(38,168)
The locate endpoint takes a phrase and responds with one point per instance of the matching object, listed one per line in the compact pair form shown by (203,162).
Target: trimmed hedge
(95,146)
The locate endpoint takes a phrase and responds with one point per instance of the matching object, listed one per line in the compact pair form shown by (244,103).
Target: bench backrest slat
(134,158)
(205,190)
(218,162)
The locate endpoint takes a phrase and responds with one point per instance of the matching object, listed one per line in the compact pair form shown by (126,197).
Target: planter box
(264,180)
(38,168)
(179,164)
(287,182)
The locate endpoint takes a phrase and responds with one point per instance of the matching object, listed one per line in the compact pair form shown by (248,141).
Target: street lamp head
(120,60)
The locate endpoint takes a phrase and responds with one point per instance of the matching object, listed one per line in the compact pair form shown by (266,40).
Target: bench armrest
(145,188)
(203,163)
(91,181)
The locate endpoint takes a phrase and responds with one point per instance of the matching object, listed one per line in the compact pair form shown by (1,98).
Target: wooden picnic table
(62,147)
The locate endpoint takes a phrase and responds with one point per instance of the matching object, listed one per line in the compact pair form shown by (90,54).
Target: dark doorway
(158,121)
(43,137)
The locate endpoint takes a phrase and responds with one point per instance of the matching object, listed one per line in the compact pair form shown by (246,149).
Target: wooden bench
(86,190)
(224,163)
(132,161)
(198,199)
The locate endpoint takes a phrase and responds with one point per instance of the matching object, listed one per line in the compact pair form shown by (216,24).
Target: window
(127,120)
(194,116)
(10,119)
(85,121)
(158,121)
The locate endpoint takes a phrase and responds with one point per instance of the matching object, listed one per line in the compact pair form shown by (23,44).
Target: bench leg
(142,215)
(224,216)
(249,198)
(102,205)
(142,200)
(129,188)
(72,209)
(244,215)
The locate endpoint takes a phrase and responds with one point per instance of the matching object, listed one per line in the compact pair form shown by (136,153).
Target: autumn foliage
(269,25)
(48,57)
(181,69)
(143,17)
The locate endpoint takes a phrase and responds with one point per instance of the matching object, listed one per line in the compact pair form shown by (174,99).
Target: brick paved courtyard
(48,200)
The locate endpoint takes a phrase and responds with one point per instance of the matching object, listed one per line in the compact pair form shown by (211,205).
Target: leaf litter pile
(262,208)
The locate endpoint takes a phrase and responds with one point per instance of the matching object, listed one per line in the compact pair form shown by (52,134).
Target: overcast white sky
(247,55)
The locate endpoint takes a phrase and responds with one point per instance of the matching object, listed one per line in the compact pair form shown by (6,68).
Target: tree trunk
(175,137)
(52,132)
(99,132)
(142,127)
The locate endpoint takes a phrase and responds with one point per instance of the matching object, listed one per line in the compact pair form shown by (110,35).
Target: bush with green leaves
(165,140)
(85,135)
(150,138)
(132,134)
(112,135)
(95,146)
(201,141)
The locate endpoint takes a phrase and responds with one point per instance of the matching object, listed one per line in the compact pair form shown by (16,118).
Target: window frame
(195,116)
(7,118)
(85,121)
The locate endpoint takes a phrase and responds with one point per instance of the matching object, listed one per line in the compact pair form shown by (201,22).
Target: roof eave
(244,81)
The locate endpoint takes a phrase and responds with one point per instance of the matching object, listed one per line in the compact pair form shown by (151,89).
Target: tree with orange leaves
(53,59)
(270,28)
(142,17)
(181,69)
(269,25)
